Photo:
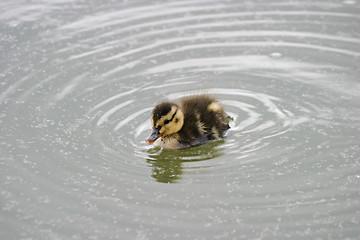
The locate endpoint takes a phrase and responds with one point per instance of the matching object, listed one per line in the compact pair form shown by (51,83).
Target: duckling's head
(167,118)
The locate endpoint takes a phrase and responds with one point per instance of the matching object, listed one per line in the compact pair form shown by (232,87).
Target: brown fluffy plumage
(188,122)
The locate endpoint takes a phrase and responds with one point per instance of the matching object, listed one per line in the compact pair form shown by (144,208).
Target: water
(79,80)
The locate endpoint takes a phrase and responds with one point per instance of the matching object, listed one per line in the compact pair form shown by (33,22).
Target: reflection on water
(167,164)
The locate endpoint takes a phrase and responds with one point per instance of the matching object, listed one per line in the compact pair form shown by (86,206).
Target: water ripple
(78,86)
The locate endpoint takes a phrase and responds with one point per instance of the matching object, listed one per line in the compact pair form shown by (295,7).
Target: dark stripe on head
(173,116)
(161,110)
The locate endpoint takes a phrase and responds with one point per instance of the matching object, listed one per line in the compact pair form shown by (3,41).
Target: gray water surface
(78,82)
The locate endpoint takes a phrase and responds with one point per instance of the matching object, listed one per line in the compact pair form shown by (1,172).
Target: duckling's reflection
(167,165)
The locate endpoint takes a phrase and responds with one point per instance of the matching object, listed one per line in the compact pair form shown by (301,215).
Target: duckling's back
(204,119)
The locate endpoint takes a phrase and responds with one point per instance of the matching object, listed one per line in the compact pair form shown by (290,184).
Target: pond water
(78,82)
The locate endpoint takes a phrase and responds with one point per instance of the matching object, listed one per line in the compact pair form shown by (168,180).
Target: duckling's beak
(153,136)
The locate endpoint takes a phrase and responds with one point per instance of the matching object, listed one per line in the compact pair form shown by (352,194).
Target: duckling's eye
(166,121)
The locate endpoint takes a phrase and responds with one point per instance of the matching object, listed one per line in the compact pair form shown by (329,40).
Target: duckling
(188,122)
